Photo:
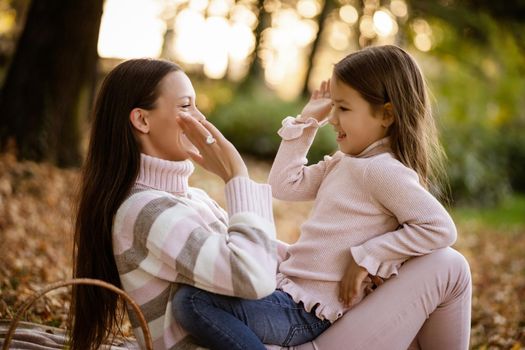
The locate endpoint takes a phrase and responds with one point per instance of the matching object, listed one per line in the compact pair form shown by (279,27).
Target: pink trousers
(427,306)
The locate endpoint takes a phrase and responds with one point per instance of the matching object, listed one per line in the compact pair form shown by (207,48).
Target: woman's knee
(455,261)
(456,267)
(182,302)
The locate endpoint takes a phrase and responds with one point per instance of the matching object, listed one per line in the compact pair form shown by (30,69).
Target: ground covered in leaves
(36,206)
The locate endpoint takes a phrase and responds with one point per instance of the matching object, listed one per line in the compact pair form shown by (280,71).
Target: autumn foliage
(36,216)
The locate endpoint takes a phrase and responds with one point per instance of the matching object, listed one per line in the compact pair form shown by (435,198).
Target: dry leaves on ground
(36,210)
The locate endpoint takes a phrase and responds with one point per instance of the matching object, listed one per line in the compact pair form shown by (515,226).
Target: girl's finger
(348,295)
(323,88)
(377,280)
(368,290)
(356,287)
(342,291)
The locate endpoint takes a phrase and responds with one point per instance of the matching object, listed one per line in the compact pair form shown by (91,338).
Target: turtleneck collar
(378,147)
(164,175)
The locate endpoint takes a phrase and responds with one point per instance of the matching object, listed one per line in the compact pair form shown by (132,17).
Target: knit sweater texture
(166,233)
(369,206)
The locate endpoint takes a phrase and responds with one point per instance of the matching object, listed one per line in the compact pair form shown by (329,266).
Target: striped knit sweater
(166,233)
(370,206)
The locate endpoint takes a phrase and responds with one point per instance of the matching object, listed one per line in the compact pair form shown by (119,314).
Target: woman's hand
(320,104)
(216,154)
(351,282)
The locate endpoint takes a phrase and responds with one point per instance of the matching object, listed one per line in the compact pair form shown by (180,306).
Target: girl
(372,212)
(141,227)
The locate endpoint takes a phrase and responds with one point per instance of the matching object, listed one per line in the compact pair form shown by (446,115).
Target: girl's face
(353,118)
(165,139)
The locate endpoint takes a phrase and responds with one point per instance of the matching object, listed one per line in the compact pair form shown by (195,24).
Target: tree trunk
(327,7)
(49,84)
(255,72)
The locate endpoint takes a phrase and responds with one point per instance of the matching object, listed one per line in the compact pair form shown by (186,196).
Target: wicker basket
(78,281)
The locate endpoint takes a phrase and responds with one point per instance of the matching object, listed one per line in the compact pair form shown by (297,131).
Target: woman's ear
(388,115)
(139,119)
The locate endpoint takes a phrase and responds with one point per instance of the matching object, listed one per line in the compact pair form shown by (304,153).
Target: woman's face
(165,139)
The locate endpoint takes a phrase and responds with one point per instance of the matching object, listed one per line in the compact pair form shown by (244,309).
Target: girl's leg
(222,322)
(430,299)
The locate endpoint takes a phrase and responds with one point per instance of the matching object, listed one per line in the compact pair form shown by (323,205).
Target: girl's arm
(179,243)
(289,176)
(425,224)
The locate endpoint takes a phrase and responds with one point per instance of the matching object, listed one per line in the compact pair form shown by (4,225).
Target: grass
(509,216)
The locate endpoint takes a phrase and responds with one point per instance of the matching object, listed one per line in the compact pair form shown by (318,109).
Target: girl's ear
(139,119)
(388,115)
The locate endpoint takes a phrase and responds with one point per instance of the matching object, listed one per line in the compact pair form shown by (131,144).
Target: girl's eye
(344,109)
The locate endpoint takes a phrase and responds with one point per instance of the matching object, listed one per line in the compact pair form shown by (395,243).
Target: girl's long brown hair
(109,172)
(388,74)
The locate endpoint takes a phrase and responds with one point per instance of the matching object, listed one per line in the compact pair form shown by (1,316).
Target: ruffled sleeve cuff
(372,265)
(293,128)
(245,195)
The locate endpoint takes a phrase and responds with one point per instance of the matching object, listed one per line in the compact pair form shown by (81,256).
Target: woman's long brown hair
(388,74)
(109,172)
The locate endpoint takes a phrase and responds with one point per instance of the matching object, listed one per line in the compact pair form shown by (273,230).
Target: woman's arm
(182,239)
(179,242)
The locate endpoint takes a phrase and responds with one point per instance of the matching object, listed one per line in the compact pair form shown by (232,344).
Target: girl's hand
(320,104)
(376,280)
(216,154)
(351,283)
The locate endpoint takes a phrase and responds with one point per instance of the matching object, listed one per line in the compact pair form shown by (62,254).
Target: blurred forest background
(252,63)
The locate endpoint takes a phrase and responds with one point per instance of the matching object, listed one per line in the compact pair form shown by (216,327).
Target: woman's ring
(210,140)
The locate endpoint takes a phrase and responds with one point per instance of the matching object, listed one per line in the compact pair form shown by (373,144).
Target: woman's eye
(344,109)
(185,106)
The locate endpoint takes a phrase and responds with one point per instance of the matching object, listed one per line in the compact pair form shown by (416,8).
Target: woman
(141,227)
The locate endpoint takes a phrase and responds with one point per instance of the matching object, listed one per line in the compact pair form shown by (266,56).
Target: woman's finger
(213,131)
(194,130)
(197,157)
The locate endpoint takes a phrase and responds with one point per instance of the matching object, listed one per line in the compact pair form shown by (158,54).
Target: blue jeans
(223,322)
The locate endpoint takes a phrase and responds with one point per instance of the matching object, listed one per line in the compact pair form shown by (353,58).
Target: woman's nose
(198,115)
